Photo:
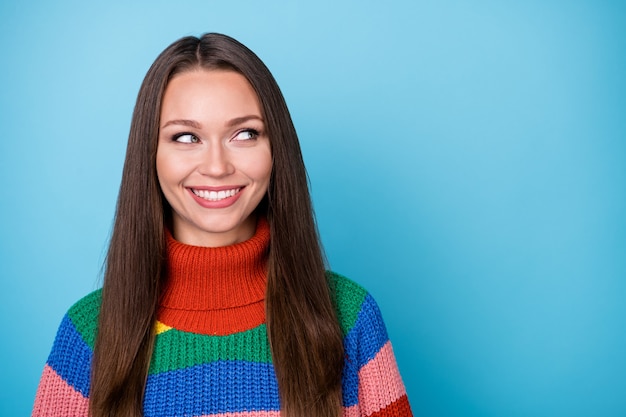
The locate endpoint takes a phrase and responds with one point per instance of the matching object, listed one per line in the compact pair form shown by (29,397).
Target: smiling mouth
(215,195)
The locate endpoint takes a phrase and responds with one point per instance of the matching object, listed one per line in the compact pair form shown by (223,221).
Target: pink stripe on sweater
(380,383)
(56,398)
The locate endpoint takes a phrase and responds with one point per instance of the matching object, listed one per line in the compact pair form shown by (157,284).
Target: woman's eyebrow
(239,120)
(232,122)
(183,122)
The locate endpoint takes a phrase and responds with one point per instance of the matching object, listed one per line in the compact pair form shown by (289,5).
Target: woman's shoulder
(352,302)
(84,315)
(86,306)
(344,290)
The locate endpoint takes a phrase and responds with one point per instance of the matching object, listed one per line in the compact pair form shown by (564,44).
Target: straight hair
(304,333)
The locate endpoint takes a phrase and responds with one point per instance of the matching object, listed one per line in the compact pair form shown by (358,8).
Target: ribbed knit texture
(212,355)
(216,291)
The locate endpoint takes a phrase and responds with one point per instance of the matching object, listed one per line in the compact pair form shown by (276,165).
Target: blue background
(467,162)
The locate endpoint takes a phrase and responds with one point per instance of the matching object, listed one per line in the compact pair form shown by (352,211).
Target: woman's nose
(216,161)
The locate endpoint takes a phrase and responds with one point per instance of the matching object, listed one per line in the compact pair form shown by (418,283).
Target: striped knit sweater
(211,355)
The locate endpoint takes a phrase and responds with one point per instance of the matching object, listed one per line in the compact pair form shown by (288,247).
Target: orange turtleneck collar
(216,291)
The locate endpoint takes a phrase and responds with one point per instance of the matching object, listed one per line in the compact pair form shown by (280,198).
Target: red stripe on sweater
(398,408)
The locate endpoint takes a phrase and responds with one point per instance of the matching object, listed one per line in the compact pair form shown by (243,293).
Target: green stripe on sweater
(351,295)
(84,315)
(202,348)
(175,349)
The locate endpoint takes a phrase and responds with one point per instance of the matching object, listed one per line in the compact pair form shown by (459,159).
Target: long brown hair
(304,334)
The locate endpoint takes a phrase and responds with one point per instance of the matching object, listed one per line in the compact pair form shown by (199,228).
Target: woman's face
(213,156)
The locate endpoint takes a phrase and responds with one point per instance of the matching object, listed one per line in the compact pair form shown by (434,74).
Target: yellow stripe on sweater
(161,328)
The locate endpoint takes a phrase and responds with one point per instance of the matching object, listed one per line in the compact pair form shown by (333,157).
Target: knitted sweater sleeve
(381,391)
(64,386)
(372,385)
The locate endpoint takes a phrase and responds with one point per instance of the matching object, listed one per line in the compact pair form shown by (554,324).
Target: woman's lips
(216,197)
(212,195)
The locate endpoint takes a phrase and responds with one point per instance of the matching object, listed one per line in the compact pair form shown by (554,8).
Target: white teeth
(215,195)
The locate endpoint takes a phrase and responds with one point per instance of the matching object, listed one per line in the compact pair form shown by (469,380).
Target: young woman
(215,298)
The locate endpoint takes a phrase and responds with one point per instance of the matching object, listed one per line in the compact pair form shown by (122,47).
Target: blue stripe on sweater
(211,388)
(71,357)
(361,344)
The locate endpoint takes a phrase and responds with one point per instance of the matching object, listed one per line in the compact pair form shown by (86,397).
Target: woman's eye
(186,138)
(247,134)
